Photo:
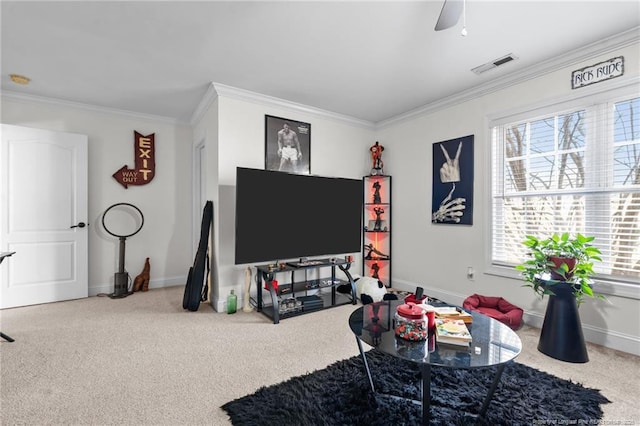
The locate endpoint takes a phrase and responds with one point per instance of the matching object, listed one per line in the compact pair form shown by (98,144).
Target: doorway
(43,216)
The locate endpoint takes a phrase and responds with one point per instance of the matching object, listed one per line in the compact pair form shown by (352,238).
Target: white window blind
(576,171)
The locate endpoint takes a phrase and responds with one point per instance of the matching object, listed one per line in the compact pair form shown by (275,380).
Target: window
(575,170)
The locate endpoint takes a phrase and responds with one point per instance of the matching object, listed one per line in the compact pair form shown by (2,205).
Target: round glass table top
(492,343)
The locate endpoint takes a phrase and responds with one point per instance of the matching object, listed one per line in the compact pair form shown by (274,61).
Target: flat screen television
(282,216)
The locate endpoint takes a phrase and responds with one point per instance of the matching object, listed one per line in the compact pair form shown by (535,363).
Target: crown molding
(207,99)
(215,90)
(595,93)
(587,52)
(257,98)
(21,97)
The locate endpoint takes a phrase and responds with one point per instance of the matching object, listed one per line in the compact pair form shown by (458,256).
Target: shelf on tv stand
(324,288)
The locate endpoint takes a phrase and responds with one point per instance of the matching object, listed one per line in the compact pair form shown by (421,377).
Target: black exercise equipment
(121,278)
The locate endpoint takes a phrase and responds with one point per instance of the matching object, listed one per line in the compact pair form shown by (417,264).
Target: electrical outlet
(471,274)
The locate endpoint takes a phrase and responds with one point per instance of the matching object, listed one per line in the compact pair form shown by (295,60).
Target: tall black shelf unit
(376,249)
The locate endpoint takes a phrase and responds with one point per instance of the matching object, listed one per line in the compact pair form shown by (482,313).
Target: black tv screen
(282,216)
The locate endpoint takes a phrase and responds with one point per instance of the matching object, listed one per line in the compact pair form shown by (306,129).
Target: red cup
(430,311)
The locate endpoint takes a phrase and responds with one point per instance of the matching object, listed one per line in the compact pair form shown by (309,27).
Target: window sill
(602,286)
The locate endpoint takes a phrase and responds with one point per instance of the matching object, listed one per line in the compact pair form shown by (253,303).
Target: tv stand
(304,263)
(295,298)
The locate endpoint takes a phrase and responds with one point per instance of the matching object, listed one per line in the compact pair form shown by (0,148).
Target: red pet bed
(496,308)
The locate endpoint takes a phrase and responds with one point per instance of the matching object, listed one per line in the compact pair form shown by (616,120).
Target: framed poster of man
(452,198)
(287,145)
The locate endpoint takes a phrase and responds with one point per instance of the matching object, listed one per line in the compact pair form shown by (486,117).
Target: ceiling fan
(450,14)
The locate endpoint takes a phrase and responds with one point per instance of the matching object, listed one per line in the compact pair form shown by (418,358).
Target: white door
(43,182)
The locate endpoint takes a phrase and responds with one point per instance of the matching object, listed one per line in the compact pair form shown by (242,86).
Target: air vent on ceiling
(495,63)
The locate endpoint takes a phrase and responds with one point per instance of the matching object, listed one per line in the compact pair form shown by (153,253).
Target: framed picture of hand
(452,195)
(287,145)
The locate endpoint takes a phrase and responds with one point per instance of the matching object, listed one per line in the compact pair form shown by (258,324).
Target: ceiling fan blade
(450,14)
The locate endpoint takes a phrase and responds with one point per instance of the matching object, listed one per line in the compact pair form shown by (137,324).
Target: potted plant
(560,259)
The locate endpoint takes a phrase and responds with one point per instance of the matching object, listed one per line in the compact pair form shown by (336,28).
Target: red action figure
(376,157)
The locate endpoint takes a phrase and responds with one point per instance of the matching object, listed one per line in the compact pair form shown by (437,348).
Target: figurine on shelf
(376,193)
(372,249)
(374,270)
(376,157)
(378,224)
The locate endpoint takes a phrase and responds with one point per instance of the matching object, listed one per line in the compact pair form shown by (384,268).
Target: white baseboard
(153,283)
(220,304)
(599,336)
(438,293)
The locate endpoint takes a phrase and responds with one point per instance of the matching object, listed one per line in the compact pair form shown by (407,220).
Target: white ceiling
(369,60)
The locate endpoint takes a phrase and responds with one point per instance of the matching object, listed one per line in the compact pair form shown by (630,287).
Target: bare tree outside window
(626,207)
(559,174)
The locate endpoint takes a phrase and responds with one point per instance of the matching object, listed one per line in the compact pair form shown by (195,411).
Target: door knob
(80,225)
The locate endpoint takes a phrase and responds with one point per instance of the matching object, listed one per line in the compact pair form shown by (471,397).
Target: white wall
(436,257)
(338,148)
(206,129)
(165,202)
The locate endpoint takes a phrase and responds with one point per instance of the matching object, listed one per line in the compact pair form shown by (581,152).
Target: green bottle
(232,303)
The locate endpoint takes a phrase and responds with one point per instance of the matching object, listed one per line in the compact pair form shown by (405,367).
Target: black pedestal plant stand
(561,336)
(568,261)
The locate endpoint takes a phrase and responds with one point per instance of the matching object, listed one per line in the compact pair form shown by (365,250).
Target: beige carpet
(144,360)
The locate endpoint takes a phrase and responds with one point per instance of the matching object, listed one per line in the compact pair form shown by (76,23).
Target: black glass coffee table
(493,344)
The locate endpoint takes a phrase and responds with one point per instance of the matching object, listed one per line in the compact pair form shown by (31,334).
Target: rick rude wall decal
(145,162)
(452,199)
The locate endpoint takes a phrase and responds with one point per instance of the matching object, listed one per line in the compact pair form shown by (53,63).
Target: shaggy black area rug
(340,395)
